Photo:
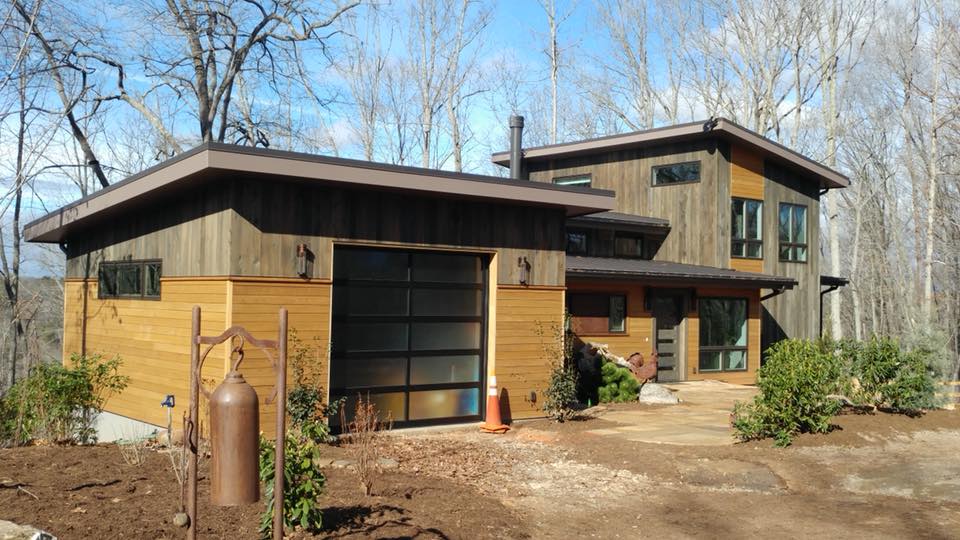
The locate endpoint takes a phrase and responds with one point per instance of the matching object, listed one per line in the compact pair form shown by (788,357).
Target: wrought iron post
(191,437)
(280,448)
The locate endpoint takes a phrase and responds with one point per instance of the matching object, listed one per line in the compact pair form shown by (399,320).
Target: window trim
(142,263)
(589,177)
(608,295)
(745,240)
(653,173)
(781,243)
(725,348)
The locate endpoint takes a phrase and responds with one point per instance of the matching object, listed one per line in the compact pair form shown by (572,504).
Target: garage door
(408,331)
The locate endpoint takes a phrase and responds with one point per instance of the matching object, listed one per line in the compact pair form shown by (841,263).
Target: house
(711,254)
(414,285)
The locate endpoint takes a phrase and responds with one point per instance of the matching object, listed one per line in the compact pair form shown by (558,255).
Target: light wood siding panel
(753,339)
(796,312)
(638,337)
(272,218)
(746,174)
(748,265)
(256,307)
(522,365)
(152,338)
(688,207)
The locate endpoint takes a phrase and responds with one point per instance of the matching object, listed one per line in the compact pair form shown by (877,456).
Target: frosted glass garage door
(408,332)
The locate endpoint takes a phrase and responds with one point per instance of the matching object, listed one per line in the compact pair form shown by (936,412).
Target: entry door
(408,331)
(668,316)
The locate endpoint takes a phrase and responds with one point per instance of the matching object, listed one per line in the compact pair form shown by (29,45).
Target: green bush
(618,385)
(794,384)
(560,397)
(880,373)
(59,404)
(303,483)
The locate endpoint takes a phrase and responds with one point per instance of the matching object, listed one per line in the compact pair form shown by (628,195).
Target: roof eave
(745,281)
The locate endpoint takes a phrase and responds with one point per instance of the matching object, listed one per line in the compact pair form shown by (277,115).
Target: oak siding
(522,362)
(264,239)
(747,182)
(691,208)
(796,312)
(151,337)
(639,324)
(256,305)
(753,338)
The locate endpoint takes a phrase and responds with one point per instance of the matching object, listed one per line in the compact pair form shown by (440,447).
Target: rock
(324,462)
(342,463)
(12,531)
(655,393)
(180,519)
(387,463)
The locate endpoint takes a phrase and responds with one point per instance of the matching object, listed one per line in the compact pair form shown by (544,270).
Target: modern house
(415,285)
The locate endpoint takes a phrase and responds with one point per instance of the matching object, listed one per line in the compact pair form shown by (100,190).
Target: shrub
(560,397)
(794,384)
(303,483)
(618,384)
(362,432)
(60,404)
(880,373)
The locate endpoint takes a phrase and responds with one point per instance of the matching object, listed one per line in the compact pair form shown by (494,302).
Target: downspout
(823,292)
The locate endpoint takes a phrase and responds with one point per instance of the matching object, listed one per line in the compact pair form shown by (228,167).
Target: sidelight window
(793,232)
(746,222)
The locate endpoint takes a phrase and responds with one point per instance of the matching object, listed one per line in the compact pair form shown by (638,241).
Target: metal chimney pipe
(516,147)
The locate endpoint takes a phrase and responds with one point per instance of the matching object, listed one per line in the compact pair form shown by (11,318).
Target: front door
(409,332)
(668,317)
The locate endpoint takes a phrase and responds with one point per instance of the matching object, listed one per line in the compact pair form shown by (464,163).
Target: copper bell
(234,442)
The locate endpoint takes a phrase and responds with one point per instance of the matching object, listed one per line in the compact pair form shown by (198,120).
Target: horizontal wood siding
(747,265)
(152,338)
(746,174)
(522,363)
(638,337)
(753,338)
(256,307)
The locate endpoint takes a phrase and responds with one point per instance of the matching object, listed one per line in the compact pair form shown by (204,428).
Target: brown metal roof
(601,267)
(215,158)
(833,281)
(622,221)
(723,128)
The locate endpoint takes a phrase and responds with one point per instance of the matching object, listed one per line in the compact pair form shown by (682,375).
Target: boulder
(653,393)
(12,531)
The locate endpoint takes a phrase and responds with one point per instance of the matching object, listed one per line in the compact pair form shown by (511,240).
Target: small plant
(60,404)
(133,449)
(303,483)
(618,384)
(796,384)
(560,397)
(362,432)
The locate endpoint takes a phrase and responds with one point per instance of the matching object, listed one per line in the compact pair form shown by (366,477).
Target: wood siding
(151,337)
(753,338)
(522,363)
(691,208)
(746,182)
(639,330)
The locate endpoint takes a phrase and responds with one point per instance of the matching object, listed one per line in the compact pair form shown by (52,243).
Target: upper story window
(793,232)
(723,334)
(128,279)
(580,180)
(576,242)
(746,233)
(677,173)
(628,245)
(597,313)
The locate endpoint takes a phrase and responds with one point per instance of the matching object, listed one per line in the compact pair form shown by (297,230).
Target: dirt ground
(876,476)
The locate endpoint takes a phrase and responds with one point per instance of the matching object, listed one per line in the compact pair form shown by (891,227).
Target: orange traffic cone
(493,423)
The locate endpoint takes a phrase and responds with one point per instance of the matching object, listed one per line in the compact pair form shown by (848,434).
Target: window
(129,279)
(576,242)
(628,245)
(597,313)
(793,232)
(747,229)
(723,334)
(678,173)
(580,180)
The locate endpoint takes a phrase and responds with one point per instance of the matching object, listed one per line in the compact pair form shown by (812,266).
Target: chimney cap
(516,121)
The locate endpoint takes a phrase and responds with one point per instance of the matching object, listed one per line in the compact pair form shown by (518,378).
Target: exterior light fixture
(302,260)
(524,266)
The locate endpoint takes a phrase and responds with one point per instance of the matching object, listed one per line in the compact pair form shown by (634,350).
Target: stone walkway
(702,418)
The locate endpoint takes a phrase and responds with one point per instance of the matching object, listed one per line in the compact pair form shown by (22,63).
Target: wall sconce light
(302,260)
(524,266)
